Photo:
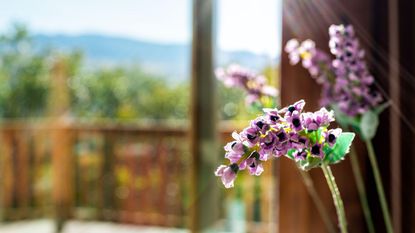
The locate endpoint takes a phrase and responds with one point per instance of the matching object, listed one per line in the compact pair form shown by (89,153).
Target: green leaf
(369,125)
(344,120)
(290,153)
(340,149)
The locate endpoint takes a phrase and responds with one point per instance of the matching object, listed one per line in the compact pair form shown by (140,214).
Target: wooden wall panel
(303,20)
(406,31)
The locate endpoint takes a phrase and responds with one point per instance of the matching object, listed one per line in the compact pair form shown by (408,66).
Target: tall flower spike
(346,81)
(353,87)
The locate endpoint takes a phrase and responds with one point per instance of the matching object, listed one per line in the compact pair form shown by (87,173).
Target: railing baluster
(62,162)
(108,179)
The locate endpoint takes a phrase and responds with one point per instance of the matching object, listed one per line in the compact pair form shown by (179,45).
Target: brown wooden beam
(395,122)
(61,137)
(203,133)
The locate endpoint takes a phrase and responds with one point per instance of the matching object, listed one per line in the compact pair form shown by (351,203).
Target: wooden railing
(113,172)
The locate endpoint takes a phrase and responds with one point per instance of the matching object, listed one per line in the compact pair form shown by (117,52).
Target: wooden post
(62,141)
(62,165)
(406,211)
(204,149)
(395,122)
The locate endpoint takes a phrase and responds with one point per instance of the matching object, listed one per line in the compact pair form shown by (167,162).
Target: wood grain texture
(204,203)
(310,20)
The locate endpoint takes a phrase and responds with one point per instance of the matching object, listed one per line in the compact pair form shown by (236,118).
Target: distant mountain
(169,60)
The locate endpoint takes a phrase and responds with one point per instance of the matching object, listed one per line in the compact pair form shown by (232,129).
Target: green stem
(361,189)
(379,186)
(338,203)
(317,201)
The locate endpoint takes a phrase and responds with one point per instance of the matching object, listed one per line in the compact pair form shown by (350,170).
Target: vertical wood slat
(204,201)
(108,178)
(22,172)
(395,123)
(163,179)
(407,95)
(7,179)
(175,202)
(2,177)
(62,165)
(32,166)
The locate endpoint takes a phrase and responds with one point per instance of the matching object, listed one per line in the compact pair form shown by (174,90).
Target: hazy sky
(252,25)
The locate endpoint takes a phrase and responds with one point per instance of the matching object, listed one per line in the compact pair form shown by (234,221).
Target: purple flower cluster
(255,85)
(346,81)
(353,79)
(277,133)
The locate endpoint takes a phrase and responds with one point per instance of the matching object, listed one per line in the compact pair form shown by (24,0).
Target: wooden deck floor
(46,226)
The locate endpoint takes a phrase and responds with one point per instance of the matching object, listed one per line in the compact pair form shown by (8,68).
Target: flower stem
(361,189)
(317,201)
(379,186)
(338,203)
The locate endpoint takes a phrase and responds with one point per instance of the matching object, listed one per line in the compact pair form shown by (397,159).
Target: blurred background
(111,118)
(94,103)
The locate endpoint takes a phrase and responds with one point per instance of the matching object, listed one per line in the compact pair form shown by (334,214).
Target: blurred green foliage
(23,76)
(121,93)
(127,94)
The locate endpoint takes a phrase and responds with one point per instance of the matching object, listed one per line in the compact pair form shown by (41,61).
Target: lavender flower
(253,164)
(296,108)
(251,135)
(292,48)
(227,174)
(332,135)
(260,124)
(321,118)
(267,144)
(313,59)
(295,121)
(299,135)
(317,150)
(235,149)
(255,85)
(300,155)
(298,142)
(272,115)
(255,168)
